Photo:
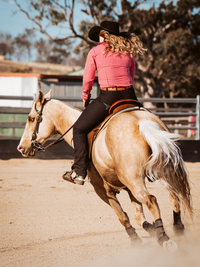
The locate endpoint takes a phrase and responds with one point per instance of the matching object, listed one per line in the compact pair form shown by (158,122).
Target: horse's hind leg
(140,192)
(150,228)
(138,209)
(178,225)
(123,217)
(108,195)
(139,215)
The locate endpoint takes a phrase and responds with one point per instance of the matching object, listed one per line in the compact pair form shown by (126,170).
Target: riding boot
(71,176)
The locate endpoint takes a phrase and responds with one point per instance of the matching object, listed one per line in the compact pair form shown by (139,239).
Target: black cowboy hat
(109,26)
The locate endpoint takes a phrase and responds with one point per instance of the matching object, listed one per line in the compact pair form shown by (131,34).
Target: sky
(16,24)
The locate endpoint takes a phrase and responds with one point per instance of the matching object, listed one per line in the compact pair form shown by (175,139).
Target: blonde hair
(118,44)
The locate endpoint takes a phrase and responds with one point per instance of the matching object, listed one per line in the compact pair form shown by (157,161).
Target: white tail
(166,162)
(163,146)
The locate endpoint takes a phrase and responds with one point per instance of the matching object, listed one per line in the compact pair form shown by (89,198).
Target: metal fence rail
(164,114)
(196,114)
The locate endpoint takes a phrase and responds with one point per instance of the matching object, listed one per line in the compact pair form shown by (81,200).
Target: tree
(6,45)
(23,44)
(44,13)
(171,66)
(170,32)
(43,49)
(52,52)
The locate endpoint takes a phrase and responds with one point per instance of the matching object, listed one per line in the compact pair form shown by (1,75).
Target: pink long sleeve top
(113,69)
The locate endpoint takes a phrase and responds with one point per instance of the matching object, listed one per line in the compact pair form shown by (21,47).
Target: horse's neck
(64,116)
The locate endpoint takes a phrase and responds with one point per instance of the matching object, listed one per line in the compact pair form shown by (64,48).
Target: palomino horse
(131,146)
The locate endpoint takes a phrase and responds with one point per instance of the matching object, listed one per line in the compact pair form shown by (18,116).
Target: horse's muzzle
(30,152)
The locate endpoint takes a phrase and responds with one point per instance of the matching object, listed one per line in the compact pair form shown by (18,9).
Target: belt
(116,88)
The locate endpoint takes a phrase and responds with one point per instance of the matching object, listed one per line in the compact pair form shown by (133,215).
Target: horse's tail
(166,162)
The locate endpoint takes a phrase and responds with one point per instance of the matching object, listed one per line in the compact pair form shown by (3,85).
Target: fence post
(198,118)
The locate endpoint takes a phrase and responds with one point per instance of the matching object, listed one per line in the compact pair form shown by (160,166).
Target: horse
(132,146)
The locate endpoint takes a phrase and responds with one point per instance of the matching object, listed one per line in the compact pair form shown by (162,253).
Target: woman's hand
(86,103)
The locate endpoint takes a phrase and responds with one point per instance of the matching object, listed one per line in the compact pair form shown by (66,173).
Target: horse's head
(39,126)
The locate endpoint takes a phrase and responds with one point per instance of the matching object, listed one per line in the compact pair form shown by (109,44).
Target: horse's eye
(31,119)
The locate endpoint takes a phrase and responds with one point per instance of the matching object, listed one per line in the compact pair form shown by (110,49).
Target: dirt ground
(46,221)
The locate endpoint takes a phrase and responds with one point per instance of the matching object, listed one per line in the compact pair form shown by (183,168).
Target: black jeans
(90,118)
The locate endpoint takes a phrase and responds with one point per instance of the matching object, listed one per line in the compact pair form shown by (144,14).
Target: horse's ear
(40,98)
(48,95)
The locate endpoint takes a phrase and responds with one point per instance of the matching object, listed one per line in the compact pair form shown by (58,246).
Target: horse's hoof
(178,229)
(150,228)
(170,246)
(136,242)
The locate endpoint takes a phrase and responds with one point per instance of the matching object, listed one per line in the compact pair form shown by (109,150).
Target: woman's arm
(89,75)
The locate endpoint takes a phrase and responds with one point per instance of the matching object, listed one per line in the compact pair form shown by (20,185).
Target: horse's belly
(112,179)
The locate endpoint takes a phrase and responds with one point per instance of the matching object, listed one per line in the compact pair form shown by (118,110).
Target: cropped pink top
(113,69)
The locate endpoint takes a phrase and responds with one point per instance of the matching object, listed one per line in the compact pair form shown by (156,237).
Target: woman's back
(114,69)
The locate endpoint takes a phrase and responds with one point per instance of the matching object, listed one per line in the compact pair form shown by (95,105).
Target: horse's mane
(66,104)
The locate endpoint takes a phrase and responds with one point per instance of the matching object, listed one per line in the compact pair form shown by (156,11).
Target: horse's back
(127,125)
(141,115)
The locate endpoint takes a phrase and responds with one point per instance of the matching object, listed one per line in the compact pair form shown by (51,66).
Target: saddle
(116,107)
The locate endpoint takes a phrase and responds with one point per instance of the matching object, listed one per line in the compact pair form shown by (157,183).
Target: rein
(35,143)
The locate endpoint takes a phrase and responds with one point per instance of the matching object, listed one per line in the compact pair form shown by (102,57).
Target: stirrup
(69,170)
(71,176)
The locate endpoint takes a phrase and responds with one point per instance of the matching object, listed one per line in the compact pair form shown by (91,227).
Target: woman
(114,61)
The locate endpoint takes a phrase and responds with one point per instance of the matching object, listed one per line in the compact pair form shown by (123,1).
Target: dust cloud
(187,255)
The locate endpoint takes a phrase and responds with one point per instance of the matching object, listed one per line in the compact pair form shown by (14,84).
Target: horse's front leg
(108,195)
(178,225)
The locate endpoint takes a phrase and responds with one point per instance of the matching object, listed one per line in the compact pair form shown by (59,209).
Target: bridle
(34,143)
